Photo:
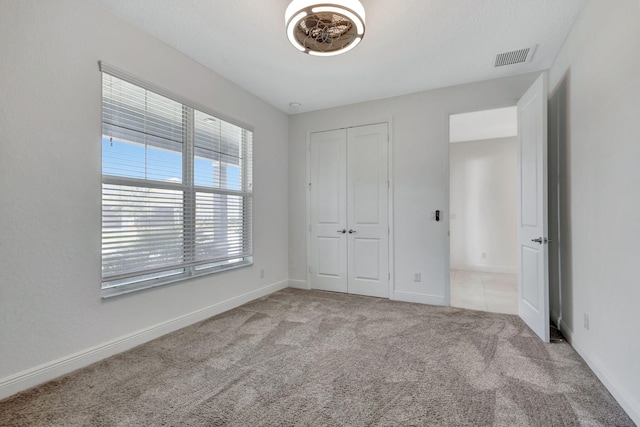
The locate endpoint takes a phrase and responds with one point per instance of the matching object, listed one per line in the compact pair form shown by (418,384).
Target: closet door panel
(368,210)
(328,254)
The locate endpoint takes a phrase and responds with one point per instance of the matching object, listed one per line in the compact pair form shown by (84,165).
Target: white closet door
(349,232)
(328,257)
(368,210)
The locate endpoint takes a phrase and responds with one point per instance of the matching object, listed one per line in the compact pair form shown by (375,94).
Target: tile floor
(494,292)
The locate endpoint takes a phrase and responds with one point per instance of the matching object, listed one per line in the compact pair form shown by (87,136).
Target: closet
(349,210)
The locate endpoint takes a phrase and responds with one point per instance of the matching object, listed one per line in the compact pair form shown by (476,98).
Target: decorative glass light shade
(325,28)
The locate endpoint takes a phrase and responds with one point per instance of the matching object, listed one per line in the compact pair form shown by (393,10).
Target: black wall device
(437,215)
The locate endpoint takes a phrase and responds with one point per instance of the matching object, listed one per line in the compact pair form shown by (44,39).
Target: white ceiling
(487,124)
(409,45)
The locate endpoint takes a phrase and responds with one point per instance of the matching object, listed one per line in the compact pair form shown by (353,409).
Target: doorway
(483,203)
(349,210)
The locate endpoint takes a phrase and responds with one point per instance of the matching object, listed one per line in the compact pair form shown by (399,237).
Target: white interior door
(349,230)
(368,210)
(533,258)
(328,228)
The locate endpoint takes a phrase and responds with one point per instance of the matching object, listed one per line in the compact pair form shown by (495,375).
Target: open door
(533,257)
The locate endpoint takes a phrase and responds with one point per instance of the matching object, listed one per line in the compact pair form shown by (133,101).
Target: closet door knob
(351,231)
(344,230)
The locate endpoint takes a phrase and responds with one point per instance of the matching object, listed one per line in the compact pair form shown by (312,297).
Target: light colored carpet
(322,359)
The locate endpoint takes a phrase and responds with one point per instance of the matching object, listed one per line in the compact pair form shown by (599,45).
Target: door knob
(541,240)
(351,231)
(344,230)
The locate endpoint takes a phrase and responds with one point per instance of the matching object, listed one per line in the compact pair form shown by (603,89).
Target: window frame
(190,191)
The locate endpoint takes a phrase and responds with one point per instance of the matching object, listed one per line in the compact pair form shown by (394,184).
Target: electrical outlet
(586,321)
(262,273)
(417,277)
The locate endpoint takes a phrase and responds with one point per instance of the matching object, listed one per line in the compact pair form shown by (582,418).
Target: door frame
(449,113)
(391,260)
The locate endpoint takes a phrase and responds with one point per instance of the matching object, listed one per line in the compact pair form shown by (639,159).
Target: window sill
(115,291)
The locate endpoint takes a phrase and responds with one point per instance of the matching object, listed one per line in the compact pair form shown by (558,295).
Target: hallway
(493,292)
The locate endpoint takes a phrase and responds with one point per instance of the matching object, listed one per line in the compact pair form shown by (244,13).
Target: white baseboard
(485,268)
(298,284)
(54,369)
(419,298)
(631,408)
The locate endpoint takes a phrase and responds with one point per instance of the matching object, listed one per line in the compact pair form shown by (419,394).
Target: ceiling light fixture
(325,28)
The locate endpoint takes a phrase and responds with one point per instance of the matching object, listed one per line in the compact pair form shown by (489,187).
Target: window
(176,188)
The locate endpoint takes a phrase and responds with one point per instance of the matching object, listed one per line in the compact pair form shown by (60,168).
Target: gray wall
(484,205)
(50,180)
(420,176)
(600,64)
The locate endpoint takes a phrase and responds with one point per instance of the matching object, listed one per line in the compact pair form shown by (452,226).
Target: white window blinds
(176,189)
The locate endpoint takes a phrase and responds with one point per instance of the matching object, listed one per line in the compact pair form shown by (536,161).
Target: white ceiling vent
(515,57)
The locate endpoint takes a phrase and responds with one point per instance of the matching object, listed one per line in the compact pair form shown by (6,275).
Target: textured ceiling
(409,45)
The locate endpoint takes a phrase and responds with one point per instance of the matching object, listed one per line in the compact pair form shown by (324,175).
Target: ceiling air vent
(514,57)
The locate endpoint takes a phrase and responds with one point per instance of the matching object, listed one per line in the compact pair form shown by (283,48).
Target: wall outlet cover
(586,321)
